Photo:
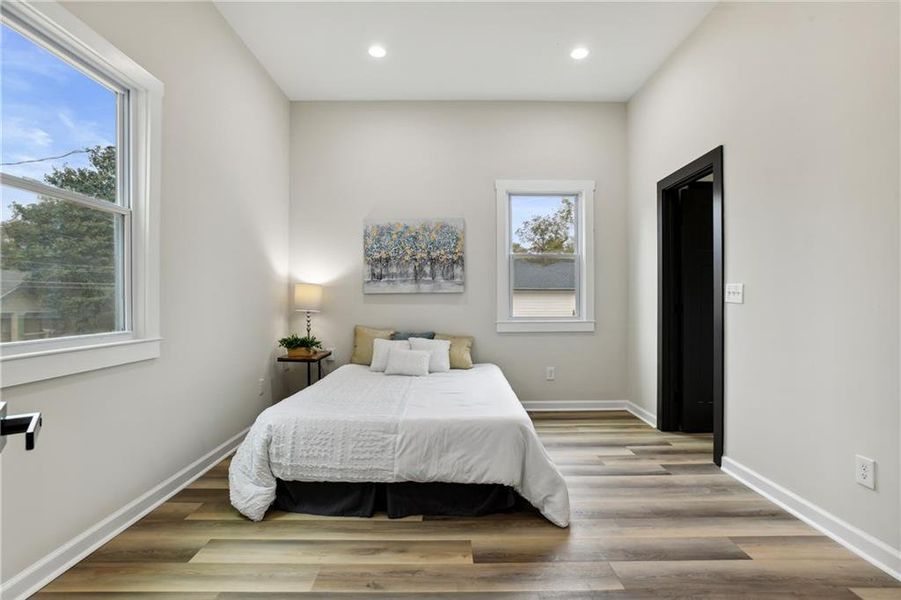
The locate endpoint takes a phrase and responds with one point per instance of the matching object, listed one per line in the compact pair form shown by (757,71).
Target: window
(545,255)
(78,257)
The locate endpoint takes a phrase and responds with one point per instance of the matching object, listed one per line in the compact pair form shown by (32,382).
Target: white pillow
(380,351)
(407,362)
(439,353)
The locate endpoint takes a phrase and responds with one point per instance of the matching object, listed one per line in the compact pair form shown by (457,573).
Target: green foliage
(99,180)
(67,252)
(548,234)
(295,341)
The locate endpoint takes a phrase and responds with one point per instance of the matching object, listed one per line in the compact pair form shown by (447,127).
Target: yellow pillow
(460,350)
(363,338)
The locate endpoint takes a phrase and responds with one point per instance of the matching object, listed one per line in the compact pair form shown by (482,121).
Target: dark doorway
(690,299)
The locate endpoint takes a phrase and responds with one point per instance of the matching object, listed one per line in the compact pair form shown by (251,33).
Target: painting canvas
(413,256)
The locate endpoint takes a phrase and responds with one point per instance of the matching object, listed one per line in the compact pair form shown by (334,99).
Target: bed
(361,427)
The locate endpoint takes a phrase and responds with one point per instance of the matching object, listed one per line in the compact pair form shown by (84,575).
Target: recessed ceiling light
(579,52)
(377,51)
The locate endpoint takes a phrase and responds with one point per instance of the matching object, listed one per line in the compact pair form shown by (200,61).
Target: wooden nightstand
(316,357)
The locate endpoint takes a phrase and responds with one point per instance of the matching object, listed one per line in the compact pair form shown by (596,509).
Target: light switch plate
(735,293)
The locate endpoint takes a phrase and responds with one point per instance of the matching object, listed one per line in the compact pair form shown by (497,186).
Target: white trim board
(861,543)
(591,405)
(40,573)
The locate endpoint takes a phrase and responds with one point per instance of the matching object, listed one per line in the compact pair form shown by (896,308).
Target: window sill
(19,369)
(547,326)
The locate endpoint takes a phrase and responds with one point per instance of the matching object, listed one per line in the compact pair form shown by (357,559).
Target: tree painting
(413,256)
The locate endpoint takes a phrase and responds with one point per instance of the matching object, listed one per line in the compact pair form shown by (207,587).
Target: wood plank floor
(652,518)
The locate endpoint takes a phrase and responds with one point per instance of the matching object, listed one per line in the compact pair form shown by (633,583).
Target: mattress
(465,426)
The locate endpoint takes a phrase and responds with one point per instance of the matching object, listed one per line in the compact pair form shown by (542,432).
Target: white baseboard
(43,571)
(646,416)
(871,549)
(589,405)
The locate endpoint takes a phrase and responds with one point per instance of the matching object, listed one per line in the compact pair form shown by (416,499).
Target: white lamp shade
(308,297)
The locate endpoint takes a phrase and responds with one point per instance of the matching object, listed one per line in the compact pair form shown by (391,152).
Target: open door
(690,299)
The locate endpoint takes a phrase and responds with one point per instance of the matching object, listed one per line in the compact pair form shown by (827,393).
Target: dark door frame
(667,417)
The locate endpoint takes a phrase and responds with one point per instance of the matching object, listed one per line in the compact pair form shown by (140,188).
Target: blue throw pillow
(405,335)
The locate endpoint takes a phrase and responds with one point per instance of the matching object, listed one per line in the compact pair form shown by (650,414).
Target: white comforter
(356,425)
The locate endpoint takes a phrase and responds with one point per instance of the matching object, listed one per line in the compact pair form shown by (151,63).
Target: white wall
(111,435)
(352,161)
(804,98)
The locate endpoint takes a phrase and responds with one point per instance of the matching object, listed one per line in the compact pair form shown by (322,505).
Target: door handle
(29,424)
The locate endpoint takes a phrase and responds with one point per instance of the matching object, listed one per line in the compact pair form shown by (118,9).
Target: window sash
(108,81)
(123,266)
(36,187)
(575,255)
(122,206)
(122,251)
(577,207)
(577,266)
(583,257)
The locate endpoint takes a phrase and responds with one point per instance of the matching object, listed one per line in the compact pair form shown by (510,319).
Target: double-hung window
(78,257)
(545,255)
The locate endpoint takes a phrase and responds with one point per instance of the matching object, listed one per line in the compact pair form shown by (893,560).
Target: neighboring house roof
(532,275)
(10,280)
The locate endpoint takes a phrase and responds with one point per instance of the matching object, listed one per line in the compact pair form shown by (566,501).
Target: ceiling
(461,50)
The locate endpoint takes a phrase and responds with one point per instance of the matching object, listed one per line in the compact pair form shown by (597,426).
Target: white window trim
(38,360)
(584,189)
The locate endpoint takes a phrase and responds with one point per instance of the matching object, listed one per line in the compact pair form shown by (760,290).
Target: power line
(35,160)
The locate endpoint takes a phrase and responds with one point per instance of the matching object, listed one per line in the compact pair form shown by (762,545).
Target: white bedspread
(466,426)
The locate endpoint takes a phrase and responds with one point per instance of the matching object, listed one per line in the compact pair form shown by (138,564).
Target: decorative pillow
(405,335)
(439,353)
(380,350)
(460,350)
(407,362)
(363,337)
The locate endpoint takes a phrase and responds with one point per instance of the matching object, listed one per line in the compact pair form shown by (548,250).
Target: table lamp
(308,299)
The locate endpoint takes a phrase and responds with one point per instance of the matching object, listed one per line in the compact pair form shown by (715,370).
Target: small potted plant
(300,346)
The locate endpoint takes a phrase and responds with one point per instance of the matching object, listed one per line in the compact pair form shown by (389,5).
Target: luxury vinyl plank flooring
(223,511)
(877,593)
(532,550)
(653,518)
(185,577)
(352,552)
(798,575)
(481,577)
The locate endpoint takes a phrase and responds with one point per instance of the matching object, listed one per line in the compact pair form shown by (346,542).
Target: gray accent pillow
(405,335)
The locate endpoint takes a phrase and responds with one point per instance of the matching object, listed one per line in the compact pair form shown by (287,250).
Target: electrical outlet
(551,373)
(865,471)
(260,385)
(735,293)
(332,357)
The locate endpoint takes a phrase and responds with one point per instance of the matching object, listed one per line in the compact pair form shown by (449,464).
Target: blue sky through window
(523,208)
(47,108)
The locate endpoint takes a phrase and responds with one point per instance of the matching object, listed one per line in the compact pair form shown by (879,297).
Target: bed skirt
(396,499)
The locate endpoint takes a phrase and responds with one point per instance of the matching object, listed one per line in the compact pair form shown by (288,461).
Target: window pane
(544,286)
(61,268)
(59,125)
(543,224)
